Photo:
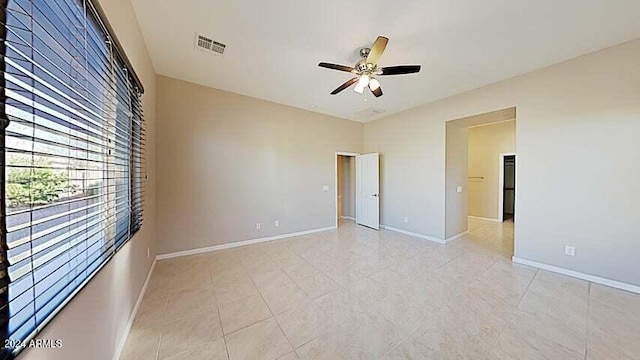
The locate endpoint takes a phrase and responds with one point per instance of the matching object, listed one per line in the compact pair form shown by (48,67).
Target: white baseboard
(579,275)
(348,218)
(454,237)
(132,317)
(483,218)
(426,237)
(239,243)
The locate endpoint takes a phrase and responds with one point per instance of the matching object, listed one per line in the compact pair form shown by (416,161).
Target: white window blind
(72,151)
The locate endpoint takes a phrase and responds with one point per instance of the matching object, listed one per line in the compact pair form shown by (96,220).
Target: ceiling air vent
(369,113)
(209,45)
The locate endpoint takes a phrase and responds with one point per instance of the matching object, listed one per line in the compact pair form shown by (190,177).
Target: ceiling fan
(367,69)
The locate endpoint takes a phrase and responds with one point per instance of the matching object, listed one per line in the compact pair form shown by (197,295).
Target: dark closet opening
(509,189)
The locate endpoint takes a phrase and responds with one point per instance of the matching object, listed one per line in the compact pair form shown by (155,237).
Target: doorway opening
(481,178)
(507,187)
(345,187)
(357,185)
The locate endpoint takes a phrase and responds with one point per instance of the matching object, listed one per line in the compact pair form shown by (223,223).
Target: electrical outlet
(325,187)
(406,219)
(258,226)
(570,250)
(459,189)
(276,223)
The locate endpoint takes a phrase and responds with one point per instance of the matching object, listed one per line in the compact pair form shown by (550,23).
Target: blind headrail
(102,19)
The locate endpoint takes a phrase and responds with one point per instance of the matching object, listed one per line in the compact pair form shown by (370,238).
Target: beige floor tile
(331,346)
(410,348)
(317,285)
(521,344)
(228,275)
(624,301)
(189,303)
(215,350)
(357,293)
(400,311)
(285,297)
(260,341)
(191,281)
(614,328)
(555,304)
(373,334)
(270,279)
(241,313)
(290,356)
(236,290)
(391,279)
(300,270)
(285,258)
(151,313)
(141,345)
(303,324)
(345,278)
(158,287)
(185,334)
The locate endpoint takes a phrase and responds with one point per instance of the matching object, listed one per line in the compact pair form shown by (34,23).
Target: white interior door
(368,190)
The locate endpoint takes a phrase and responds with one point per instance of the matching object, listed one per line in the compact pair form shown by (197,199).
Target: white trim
(426,237)
(454,237)
(491,123)
(579,275)
(483,218)
(239,243)
(501,187)
(125,335)
(339,153)
(348,218)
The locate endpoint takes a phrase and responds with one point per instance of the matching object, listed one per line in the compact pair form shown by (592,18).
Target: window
(72,155)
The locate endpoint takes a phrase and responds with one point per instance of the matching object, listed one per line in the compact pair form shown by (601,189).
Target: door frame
(501,187)
(335,183)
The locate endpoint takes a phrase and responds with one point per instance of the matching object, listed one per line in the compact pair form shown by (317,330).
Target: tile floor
(356,293)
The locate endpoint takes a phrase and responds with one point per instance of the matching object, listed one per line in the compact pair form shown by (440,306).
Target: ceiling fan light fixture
(367,67)
(374,84)
(363,82)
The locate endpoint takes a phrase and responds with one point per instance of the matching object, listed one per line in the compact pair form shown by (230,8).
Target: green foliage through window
(34,186)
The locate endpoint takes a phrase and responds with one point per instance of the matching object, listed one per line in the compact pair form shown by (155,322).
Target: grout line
(158,348)
(269,308)
(586,345)
(528,287)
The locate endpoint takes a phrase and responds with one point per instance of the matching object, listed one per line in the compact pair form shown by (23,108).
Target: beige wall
(227,162)
(456,175)
(93,324)
(486,143)
(578,161)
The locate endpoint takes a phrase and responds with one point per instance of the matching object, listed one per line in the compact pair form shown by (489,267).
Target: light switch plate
(570,250)
(459,189)
(276,223)
(325,187)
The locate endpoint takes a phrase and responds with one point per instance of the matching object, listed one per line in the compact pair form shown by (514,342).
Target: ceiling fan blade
(377,92)
(336,67)
(377,49)
(344,86)
(400,70)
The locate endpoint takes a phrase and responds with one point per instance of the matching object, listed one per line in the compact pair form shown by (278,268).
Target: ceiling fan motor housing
(363,67)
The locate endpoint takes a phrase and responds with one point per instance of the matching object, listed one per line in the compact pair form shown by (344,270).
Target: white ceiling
(274,46)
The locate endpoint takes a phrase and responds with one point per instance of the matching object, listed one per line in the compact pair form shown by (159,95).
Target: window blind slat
(72,155)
